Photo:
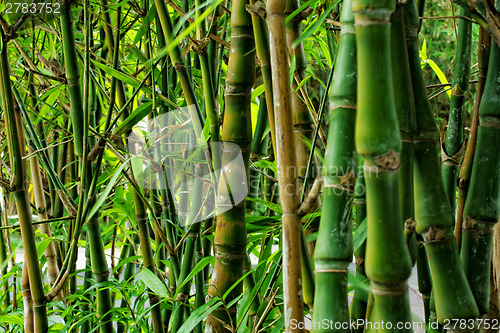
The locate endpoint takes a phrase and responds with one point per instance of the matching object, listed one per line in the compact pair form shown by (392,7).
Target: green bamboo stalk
(303,128)
(147,258)
(483,52)
(258,150)
(208,91)
(101,274)
(16,145)
(193,235)
(452,151)
(286,165)
(358,304)
(334,248)
(262,49)
(482,206)
(388,263)
(230,233)
(3,261)
(405,108)
(433,212)
(87,325)
(41,208)
(28,325)
(72,75)
(179,66)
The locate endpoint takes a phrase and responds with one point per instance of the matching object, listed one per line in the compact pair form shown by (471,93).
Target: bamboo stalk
(16,146)
(286,166)
(484,43)
(358,308)
(334,248)
(405,108)
(482,206)
(230,233)
(433,212)
(28,326)
(73,76)
(452,149)
(41,208)
(388,263)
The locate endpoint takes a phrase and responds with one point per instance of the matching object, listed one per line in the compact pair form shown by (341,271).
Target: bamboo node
(469,223)
(389,161)
(348,181)
(392,290)
(258,8)
(179,67)
(200,46)
(359,260)
(434,234)
(455,159)
(410,225)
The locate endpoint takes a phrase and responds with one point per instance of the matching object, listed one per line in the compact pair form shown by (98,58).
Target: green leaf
(134,118)
(198,268)
(153,282)
(312,28)
(105,194)
(145,24)
(124,262)
(298,10)
(198,315)
(272,206)
(12,319)
(359,235)
(42,246)
(440,74)
(258,91)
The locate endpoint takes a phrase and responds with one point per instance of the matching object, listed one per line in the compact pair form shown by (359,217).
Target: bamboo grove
(247,166)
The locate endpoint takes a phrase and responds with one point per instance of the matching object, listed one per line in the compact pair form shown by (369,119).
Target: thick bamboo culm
(334,248)
(262,50)
(388,263)
(16,145)
(482,206)
(230,233)
(73,76)
(303,129)
(452,149)
(433,212)
(483,54)
(359,300)
(405,109)
(286,166)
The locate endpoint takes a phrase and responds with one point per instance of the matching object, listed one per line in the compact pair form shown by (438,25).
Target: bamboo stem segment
(334,248)
(378,141)
(230,233)
(286,166)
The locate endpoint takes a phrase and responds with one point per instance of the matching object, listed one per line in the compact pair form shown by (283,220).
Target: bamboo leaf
(153,282)
(12,319)
(198,268)
(257,91)
(359,235)
(440,74)
(124,262)
(272,206)
(298,10)
(145,24)
(199,314)
(104,195)
(135,117)
(42,246)
(312,28)
(125,78)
